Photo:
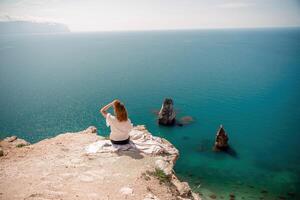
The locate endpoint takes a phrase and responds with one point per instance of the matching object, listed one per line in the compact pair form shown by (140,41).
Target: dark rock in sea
(264,191)
(166,115)
(231,195)
(198,183)
(291,194)
(185,138)
(213,196)
(251,186)
(281,197)
(221,142)
(155,111)
(239,183)
(179,124)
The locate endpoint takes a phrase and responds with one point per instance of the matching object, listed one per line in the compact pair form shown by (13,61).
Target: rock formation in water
(221,142)
(61,168)
(166,115)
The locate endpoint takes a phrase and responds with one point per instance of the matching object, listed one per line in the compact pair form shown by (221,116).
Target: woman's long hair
(120,111)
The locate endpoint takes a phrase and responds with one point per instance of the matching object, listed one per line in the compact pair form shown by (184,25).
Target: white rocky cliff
(62,168)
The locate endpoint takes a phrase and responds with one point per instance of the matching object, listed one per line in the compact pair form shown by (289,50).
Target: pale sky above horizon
(105,15)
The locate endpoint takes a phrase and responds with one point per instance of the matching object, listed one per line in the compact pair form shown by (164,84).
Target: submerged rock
(221,142)
(291,194)
(185,120)
(185,138)
(264,191)
(166,115)
(232,196)
(281,197)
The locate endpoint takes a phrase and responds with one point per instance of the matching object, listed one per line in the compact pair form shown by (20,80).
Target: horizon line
(185,29)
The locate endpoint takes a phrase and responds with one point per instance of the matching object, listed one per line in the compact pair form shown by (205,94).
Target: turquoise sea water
(248,80)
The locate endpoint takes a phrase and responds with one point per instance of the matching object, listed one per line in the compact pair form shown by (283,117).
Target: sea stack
(221,143)
(166,115)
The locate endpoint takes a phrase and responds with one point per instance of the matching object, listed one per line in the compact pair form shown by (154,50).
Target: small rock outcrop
(90,130)
(221,142)
(166,115)
(10,139)
(9,144)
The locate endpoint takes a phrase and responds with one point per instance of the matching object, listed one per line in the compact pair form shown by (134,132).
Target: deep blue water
(248,80)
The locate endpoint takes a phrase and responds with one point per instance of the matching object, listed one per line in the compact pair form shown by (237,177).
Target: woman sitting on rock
(120,125)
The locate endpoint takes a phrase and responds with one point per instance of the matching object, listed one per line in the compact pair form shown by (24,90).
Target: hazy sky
(98,15)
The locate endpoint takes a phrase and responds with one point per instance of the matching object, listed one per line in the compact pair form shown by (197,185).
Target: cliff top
(61,168)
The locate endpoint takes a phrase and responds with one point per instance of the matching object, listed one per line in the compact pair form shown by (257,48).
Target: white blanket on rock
(140,140)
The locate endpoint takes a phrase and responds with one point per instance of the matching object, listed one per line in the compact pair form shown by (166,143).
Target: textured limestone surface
(60,168)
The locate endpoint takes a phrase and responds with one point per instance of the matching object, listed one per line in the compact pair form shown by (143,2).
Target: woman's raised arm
(105,108)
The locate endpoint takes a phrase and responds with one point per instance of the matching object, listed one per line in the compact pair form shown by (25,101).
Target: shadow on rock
(133,154)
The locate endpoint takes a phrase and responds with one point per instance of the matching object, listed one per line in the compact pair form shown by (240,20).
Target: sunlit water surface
(247,80)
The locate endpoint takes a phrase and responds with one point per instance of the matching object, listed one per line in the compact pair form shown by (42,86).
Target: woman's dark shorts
(120,142)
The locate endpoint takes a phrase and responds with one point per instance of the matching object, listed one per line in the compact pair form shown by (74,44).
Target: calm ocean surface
(247,80)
